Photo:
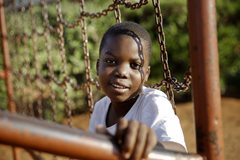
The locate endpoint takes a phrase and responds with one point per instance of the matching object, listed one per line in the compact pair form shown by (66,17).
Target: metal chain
(117,14)
(28,110)
(49,60)
(83,14)
(39,109)
(177,86)
(60,31)
(104,12)
(168,81)
(83,86)
(113,7)
(86,59)
(130,5)
(27,76)
(164,54)
(17,76)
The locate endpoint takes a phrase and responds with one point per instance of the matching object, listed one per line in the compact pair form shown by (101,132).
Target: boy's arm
(136,140)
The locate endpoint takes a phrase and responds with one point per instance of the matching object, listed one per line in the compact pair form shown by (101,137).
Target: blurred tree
(229,45)
(176,34)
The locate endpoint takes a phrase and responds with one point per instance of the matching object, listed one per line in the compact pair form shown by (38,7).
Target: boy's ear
(97,66)
(147,73)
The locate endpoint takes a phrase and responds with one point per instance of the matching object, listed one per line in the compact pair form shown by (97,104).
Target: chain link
(130,5)
(114,6)
(86,59)
(38,106)
(18,72)
(164,54)
(49,60)
(177,86)
(169,82)
(60,31)
(117,14)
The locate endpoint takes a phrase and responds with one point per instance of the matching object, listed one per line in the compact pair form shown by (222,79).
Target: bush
(176,34)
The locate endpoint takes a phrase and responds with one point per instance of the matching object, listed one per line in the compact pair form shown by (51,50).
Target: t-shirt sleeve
(94,119)
(159,115)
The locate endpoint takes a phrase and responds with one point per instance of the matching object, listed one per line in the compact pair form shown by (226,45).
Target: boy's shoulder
(104,101)
(153,92)
(154,97)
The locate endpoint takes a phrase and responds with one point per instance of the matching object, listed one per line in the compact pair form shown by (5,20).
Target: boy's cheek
(106,70)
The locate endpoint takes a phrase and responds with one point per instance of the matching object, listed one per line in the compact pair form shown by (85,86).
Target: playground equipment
(204,66)
(34,134)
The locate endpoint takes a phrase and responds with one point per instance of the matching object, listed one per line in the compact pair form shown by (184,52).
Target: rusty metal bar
(2,75)
(6,74)
(6,59)
(62,140)
(205,74)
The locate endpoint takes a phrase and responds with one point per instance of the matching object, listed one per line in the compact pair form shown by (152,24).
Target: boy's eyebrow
(136,59)
(133,59)
(108,53)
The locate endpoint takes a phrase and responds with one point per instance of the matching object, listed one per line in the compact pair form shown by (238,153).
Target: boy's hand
(136,139)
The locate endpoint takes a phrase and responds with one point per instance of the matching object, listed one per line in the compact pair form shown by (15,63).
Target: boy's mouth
(118,86)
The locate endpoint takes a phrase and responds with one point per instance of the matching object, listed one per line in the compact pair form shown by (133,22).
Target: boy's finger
(102,130)
(150,143)
(140,142)
(121,127)
(130,139)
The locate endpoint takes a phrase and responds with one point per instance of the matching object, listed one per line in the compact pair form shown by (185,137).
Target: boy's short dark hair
(125,28)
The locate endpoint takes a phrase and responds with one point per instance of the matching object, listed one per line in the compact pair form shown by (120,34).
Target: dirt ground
(231,129)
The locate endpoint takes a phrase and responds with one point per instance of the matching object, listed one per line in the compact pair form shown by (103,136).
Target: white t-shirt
(151,108)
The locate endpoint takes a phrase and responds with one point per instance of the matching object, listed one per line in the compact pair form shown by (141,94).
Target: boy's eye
(110,61)
(136,65)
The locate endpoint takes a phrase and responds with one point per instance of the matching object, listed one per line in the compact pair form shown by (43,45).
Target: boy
(138,116)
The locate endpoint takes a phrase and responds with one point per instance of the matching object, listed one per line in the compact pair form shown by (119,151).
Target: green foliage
(3,96)
(229,45)
(176,36)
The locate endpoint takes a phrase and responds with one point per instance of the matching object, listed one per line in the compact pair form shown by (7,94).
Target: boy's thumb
(102,130)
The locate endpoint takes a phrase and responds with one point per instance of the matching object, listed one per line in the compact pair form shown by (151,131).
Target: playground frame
(205,81)
(50,137)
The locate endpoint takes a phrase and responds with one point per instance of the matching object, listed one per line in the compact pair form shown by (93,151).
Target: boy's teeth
(118,86)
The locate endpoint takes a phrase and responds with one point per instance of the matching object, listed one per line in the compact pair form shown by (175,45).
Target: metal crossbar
(206,89)
(51,137)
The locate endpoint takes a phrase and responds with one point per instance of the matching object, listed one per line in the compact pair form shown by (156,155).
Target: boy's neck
(117,111)
(124,107)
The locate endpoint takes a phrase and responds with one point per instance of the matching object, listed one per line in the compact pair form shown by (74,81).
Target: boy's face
(122,68)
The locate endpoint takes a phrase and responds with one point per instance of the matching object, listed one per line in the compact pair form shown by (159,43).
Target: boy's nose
(122,71)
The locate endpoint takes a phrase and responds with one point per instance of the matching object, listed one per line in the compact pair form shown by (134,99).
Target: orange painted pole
(6,59)
(71,142)
(2,75)
(7,68)
(205,78)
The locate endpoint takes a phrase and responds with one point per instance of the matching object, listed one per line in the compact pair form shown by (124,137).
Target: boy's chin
(121,99)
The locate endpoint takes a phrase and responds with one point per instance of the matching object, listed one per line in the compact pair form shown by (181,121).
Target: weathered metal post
(62,140)
(7,67)
(6,59)
(205,74)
